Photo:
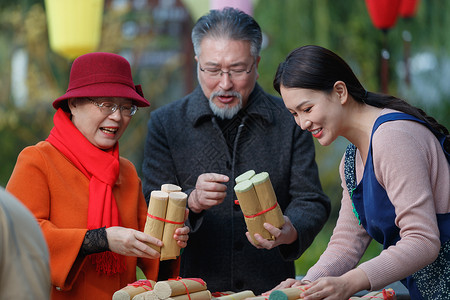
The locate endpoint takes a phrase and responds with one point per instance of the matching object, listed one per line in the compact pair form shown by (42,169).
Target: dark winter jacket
(185,141)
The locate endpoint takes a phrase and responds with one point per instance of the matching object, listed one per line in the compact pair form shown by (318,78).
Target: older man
(226,126)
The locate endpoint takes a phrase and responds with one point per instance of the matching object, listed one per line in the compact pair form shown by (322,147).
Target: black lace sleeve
(95,241)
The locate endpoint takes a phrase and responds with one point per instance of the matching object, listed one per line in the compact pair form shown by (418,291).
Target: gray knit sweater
(411,166)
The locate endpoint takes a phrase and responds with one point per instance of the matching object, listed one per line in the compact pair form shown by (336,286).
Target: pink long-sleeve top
(411,166)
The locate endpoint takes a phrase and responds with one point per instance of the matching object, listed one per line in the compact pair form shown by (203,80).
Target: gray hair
(229,23)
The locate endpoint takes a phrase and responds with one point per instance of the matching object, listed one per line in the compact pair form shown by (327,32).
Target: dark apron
(369,199)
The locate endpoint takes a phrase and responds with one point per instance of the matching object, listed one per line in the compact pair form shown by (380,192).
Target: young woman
(395,177)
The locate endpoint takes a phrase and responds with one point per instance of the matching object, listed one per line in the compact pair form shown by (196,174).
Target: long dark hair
(317,68)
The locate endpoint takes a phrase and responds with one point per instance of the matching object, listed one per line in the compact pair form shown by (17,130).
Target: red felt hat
(102,74)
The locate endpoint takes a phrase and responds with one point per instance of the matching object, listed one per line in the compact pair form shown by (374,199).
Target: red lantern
(383,13)
(408,8)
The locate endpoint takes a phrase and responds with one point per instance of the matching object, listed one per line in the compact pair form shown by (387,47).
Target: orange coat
(57,193)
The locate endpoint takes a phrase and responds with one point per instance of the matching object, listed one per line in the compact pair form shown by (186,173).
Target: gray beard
(226,112)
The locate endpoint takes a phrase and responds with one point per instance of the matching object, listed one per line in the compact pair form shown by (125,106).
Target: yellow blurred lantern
(74,26)
(198,8)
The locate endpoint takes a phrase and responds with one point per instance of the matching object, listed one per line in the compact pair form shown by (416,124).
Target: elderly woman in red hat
(87,199)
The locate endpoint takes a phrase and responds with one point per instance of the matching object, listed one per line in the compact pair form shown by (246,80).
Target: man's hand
(286,235)
(181,235)
(209,191)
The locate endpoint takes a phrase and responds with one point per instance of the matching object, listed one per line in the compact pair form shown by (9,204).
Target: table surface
(400,291)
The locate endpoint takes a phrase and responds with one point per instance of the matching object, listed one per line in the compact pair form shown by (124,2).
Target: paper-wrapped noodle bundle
(156,215)
(170,188)
(268,199)
(133,289)
(251,208)
(385,294)
(176,207)
(176,287)
(238,296)
(258,202)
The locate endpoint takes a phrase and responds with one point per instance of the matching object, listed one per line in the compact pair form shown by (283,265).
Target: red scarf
(102,169)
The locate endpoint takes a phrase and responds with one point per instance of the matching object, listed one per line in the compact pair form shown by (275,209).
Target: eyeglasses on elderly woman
(108,108)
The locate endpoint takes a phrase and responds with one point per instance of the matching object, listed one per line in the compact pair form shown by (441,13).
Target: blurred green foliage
(162,61)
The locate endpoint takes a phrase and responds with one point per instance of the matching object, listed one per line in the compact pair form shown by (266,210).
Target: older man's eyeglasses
(236,74)
(108,108)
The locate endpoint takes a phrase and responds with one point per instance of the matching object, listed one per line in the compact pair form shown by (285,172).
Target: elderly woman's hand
(130,242)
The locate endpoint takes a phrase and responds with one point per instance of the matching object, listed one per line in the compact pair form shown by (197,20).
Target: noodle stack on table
(293,293)
(182,289)
(131,290)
